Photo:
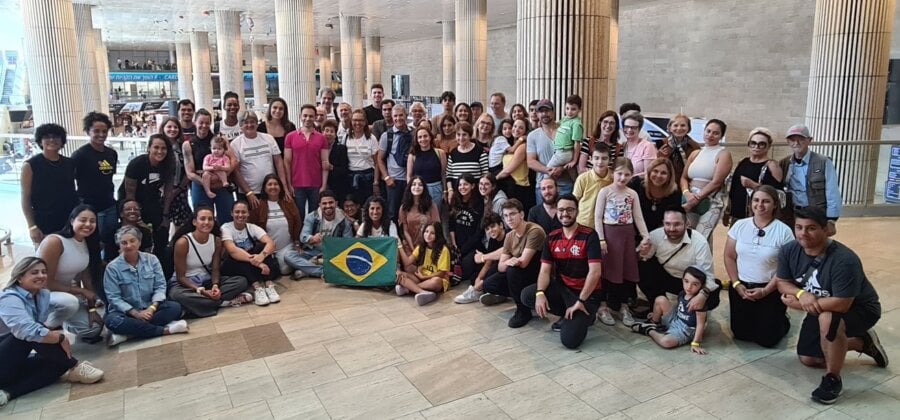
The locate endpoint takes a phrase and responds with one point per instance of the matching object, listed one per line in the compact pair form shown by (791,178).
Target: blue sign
(892,186)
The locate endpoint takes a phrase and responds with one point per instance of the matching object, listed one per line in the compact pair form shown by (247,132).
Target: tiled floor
(368,354)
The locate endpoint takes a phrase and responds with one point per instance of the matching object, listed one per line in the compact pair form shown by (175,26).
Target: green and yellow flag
(367,262)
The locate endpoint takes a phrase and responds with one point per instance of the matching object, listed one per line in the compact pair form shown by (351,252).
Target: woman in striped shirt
(466,158)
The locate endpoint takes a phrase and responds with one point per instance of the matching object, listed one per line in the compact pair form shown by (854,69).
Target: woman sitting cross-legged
(431,261)
(197,285)
(24,308)
(136,289)
(249,254)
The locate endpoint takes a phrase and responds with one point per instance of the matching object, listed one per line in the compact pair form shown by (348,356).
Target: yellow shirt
(520,175)
(429,268)
(587,186)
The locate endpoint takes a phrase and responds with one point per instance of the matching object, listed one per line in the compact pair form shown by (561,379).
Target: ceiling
(139,24)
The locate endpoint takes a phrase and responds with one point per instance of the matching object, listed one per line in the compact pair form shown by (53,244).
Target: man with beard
(569,281)
(540,150)
(326,221)
(186,119)
(344,110)
(544,213)
(380,126)
(671,249)
(811,177)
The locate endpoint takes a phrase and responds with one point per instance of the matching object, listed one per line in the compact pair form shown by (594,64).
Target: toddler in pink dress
(216,165)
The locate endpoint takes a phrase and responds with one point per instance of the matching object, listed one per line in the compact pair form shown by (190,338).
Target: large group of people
(513,203)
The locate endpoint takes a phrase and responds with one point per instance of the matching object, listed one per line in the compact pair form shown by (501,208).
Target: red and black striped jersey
(571,256)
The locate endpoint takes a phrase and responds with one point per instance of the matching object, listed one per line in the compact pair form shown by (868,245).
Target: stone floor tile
(302,405)
(107,406)
(514,359)
(313,329)
(410,343)
(449,333)
(384,393)
(452,376)
(363,320)
(590,388)
(472,407)
(363,354)
(668,406)
(631,376)
(869,404)
(303,369)
(748,398)
(193,395)
(252,411)
(249,382)
(56,393)
(538,397)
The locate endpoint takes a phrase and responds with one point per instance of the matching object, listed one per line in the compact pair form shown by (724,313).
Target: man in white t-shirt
(230,126)
(258,155)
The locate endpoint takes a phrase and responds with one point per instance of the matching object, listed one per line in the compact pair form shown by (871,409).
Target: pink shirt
(306,158)
(212,160)
(641,155)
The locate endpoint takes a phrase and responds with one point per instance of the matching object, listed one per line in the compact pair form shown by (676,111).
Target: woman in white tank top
(71,255)
(703,180)
(196,283)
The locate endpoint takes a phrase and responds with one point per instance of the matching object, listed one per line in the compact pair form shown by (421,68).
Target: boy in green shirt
(567,142)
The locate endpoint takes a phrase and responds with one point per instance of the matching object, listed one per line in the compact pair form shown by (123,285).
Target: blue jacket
(130,287)
(24,316)
(312,225)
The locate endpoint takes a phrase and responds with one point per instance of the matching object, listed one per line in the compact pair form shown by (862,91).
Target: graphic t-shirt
(243,238)
(94,175)
(429,268)
(571,256)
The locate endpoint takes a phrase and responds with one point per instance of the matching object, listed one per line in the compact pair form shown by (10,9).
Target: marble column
(848,71)
(296,54)
(352,61)
(563,49)
(448,42)
(259,74)
(471,50)
(324,66)
(183,64)
(373,61)
(102,56)
(230,53)
(203,87)
(87,58)
(52,64)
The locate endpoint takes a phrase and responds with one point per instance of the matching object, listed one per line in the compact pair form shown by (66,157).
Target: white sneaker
(114,339)
(425,298)
(272,294)
(4,398)
(400,290)
(260,297)
(84,373)
(177,327)
(604,316)
(627,318)
(469,296)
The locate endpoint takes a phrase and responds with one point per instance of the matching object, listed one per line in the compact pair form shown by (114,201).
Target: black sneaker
(557,326)
(490,299)
(829,390)
(520,318)
(644,328)
(872,347)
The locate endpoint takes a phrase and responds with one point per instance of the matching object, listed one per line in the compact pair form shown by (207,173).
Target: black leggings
(513,281)
(615,295)
(560,297)
(21,374)
(232,267)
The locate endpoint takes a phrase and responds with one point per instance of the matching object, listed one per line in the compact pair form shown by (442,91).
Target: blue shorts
(677,328)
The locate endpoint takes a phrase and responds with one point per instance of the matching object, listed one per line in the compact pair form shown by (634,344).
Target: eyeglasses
(567,210)
(757,144)
(631,127)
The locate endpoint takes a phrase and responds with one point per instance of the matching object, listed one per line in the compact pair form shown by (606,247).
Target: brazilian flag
(368,262)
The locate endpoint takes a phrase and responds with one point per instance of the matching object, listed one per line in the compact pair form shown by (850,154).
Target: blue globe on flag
(359,261)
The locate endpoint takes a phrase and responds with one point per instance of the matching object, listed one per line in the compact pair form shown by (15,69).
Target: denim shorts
(677,328)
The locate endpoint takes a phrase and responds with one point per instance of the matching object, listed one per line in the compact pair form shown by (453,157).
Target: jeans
(436,190)
(513,281)
(302,261)
(123,324)
(21,374)
(223,202)
(306,196)
(395,198)
(107,222)
(72,312)
(559,298)
(202,306)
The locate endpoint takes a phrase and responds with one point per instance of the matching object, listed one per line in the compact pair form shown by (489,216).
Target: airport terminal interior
(328,351)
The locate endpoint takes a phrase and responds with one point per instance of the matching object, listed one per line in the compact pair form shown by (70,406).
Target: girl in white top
(702,183)
(250,251)
(751,258)
(616,213)
(374,224)
(71,256)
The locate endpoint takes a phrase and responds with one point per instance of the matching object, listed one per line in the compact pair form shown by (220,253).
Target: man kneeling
(826,279)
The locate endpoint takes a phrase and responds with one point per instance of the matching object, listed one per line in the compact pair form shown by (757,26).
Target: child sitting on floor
(670,326)
(431,259)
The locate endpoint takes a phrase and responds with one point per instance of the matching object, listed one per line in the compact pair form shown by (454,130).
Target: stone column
(296,55)
(611,102)
(847,81)
(203,87)
(259,74)
(172,55)
(562,50)
(449,52)
(325,66)
(352,62)
(87,58)
(471,50)
(102,70)
(50,51)
(373,61)
(183,64)
(230,53)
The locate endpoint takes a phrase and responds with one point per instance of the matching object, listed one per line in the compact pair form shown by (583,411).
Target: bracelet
(92,310)
(33,227)
(695,344)
(686,191)
(735,283)
(539,293)
(582,300)
(799,292)
(250,193)
(151,308)
(215,285)
(199,290)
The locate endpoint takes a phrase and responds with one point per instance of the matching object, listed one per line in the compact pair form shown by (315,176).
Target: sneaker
(872,348)
(400,290)
(520,318)
(829,390)
(177,327)
(490,299)
(557,326)
(605,317)
(260,297)
(627,318)
(272,294)
(644,328)
(238,301)
(297,275)
(114,339)
(469,296)
(4,398)
(425,298)
(84,373)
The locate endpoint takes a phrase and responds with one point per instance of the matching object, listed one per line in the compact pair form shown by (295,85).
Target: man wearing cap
(811,177)
(540,150)
(478,109)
